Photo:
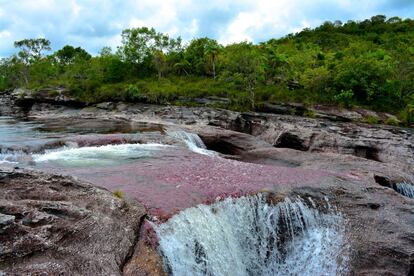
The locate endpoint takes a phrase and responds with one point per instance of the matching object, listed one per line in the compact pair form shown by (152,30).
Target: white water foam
(96,156)
(247,236)
(193,142)
(13,157)
(406,189)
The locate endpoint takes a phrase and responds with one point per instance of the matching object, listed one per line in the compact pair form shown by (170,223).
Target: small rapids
(193,142)
(13,157)
(406,189)
(249,236)
(98,156)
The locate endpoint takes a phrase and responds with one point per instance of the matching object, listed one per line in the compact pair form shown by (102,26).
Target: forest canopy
(366,63)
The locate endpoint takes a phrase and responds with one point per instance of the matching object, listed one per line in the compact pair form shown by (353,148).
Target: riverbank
(352,167)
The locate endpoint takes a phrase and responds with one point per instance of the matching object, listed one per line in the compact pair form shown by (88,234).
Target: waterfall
(193,141)
(249,236)
(406,189)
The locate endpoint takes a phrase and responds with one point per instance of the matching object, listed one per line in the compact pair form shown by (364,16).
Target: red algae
(179,179)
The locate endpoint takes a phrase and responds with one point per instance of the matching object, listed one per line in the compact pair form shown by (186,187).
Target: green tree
(183,65)
(202,54)
(366,76)
(10,73)
(31,50)
(139,45)
(160,63)
(318,80)
(112,68)
(244,63)
(68,54)
(212,51)
(43,72)
(403,75)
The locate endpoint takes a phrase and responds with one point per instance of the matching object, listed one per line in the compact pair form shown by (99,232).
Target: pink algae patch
(181,179)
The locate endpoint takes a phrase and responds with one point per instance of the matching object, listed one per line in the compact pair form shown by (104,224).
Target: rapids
(98,156)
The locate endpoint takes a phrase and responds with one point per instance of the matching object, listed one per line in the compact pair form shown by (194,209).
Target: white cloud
(76,8)
(238,30)
(193,28)
(4,34)
(93,24)
(274,17)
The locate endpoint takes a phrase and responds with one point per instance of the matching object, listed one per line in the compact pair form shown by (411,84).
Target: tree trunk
(214,70)
(25,74)
(252,95)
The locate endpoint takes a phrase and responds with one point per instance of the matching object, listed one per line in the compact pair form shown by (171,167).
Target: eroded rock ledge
(54,225)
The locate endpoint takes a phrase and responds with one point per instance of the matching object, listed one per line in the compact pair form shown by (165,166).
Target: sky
(93,24)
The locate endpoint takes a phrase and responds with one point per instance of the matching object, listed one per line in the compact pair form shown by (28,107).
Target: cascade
(406,189)
(249,236)
(192,140)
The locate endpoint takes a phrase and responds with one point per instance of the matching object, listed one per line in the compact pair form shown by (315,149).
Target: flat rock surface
(175,178)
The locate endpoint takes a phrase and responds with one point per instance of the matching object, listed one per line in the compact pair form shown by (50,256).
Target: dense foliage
(368,63)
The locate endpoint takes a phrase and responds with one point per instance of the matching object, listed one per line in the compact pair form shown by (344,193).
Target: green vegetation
(371,120)
(368,64)
(118,194)
(391,122)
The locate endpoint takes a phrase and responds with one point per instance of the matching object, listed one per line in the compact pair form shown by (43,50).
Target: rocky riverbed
(352,168)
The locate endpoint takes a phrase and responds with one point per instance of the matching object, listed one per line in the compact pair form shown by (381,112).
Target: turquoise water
(19,133)
(106,155)
(23,142)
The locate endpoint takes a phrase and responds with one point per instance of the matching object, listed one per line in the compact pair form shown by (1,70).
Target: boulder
(53,225)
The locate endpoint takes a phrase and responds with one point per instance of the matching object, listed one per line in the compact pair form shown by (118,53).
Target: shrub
(118,194)
(132,93)
(345,98)
(392,122)
(371,120)
(309,113)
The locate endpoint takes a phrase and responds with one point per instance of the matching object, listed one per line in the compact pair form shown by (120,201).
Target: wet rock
(52,95)
(21,101)
(226,141)
(379,225)
(6,220)
(52,225)
(366,161)
(8,106)
(368,171)
(145,259)
(207,101)
(378,143)
(106,105)
(283,108)
(383,144)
